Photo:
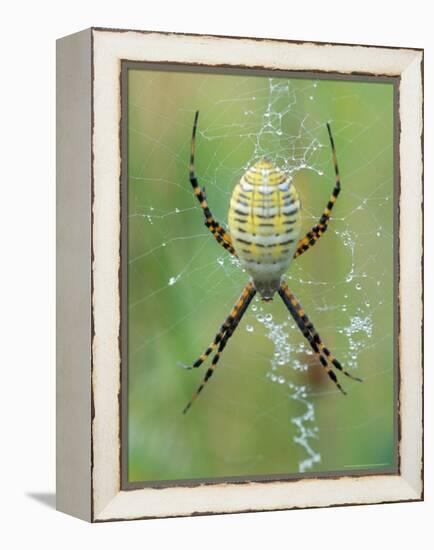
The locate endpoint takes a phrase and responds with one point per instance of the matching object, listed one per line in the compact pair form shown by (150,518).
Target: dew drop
(249,328)
(358,286)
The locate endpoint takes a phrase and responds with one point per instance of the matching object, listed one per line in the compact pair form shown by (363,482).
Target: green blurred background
(269,409)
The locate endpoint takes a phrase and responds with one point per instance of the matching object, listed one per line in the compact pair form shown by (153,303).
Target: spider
(264,228)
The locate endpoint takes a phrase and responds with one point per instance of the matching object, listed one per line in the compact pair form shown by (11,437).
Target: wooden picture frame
(89,285)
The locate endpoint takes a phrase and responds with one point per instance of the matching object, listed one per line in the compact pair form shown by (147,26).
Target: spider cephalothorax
(264,228)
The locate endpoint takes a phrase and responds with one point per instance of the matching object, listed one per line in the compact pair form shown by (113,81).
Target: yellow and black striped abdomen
(264,222)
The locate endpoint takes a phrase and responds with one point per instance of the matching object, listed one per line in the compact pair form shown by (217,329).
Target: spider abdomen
(264,222)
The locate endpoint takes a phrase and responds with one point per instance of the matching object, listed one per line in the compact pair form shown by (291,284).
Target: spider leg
(320,228)
(224,327)
(231,324)
(312,336)
(209,372)
(317,338)
(220,234)
(285,295)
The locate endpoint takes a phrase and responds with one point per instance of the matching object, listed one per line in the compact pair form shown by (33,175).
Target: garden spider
(264,223)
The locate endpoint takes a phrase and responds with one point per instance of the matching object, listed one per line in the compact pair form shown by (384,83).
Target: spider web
(348,294)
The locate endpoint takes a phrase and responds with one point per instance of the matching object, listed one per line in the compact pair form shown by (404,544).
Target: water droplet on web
(260,317)
(378,234)
(254,307)
(358,286)
(249,328)
(281,380)
(220,260)
(173,280)
(320,173)
(163,244)
(268,317)
(177,210)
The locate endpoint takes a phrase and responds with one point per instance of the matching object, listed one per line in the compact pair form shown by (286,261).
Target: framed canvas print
(239,274)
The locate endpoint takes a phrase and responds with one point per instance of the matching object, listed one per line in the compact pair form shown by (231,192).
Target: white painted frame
(96,494)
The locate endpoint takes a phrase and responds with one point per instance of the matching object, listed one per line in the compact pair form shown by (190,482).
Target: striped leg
(220,234)
(226,331)
(249,289)
(320,228)
(312,336)
(218,338)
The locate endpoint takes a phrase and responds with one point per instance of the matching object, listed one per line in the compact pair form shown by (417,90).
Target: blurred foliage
(181,284)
